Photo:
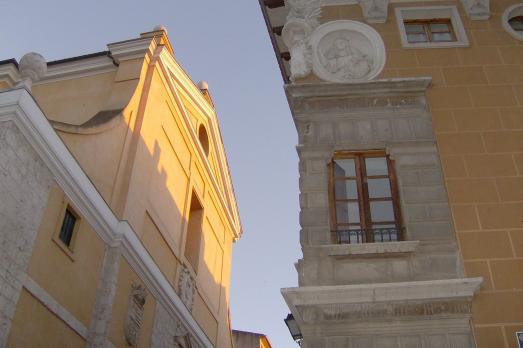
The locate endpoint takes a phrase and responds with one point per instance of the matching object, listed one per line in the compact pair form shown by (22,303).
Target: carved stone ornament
(375,11)
(135,308)
(347,51)
(301,21)
(32,68)
(477,9)
(186,287)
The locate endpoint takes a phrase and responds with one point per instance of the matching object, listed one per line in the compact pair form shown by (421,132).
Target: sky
(226,44)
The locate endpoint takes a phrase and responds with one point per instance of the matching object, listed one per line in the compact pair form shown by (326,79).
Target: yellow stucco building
(410,123)
(117,211)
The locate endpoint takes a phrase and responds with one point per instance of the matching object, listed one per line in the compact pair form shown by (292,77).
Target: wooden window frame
(426,27)
(67,249)
(361,178)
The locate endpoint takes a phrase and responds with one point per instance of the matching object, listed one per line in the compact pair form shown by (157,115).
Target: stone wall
(25,182)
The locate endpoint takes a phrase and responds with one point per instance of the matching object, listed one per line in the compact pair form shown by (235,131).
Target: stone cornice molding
(477,9)
(9,73)
(78,68)
(433,298)
(131,49)
(17,105)
(367,250)
(345,97)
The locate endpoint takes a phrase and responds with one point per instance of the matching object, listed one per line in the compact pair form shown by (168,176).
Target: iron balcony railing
(369,235)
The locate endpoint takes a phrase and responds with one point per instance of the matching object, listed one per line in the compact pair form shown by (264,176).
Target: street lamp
(294,329)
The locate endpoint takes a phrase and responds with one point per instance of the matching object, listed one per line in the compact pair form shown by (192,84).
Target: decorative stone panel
(168,332)
(25,182)
(134,319)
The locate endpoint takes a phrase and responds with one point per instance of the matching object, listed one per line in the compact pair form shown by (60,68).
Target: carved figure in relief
(186,287)
(135,308)
(301,21)
(345,61)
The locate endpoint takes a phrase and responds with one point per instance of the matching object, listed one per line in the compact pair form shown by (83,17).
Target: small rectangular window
(364,199)
(433,30)
(67,229)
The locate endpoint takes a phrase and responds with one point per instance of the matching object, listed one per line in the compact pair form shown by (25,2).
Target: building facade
(244,339)
(410,126)
(117,212)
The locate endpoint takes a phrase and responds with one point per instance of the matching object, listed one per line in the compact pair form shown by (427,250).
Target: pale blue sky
(225,43)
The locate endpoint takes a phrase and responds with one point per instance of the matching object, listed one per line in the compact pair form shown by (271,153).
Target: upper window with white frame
(431,27)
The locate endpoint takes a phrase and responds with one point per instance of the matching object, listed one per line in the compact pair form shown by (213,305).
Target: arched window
(204,139)
(512,21)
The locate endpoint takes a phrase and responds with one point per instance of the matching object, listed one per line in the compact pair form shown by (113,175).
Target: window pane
(382,211)
(344,167)
(439,27)
(417,38)
(414,28)
(346,189)
(66,232)
(376,166)
(441,37)
(379,188)
(347,212)
(516,23)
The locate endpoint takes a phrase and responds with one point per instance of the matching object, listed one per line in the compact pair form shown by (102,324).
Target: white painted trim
(429,12)
(51,304)
(512,11)
(19,106)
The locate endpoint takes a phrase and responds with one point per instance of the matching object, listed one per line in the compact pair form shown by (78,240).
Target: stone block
(314,216)
(410,342)
(429,231)
(499,216)
(449,98)
(490,96)
(438,212)
(498,307)
(402,129)
(419,160)
(317,200)
(415,212)
(325,133)
(345,132)
(315,182)
(472,190)
(424,194)
(460,341)
(465,217)
(408,178)
(517,242)
(507,274)
(401,59)
(431,176)
(477,119)
(434,341)
(387,342)
(422,128)
(364,131)
(473,75)
(512,118)
(485,244)
(489,337)
(453,166)
(443,120)
(510,189)
(362,342)
(460,143)
(504,141)
(383,130)
(490,165)
(480,56)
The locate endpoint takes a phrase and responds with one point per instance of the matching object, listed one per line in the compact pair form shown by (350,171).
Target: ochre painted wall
(36,327)
(476,101)
(67,275)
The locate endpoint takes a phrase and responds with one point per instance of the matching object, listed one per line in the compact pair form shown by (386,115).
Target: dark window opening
(516,23)
(66,232)
(194,233)
(433,30)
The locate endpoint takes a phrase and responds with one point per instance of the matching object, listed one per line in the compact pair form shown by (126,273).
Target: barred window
(67,229)
(433,30)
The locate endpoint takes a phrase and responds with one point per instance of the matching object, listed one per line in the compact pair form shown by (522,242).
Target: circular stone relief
(512,21)
(347,51)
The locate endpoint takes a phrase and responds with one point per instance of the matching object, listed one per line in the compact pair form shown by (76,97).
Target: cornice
(9,73)
(78,68)
(131,49)
(17,105)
